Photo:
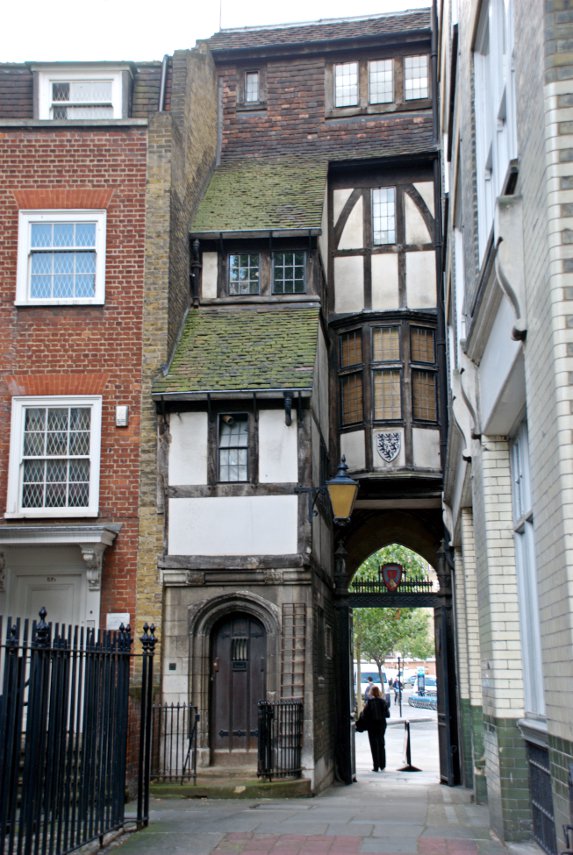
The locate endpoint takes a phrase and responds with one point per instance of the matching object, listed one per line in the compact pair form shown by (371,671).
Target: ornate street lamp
(341,491)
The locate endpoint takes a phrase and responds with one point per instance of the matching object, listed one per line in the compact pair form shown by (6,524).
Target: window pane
(387,399)
(351,349)
(422,345)
(244,273)
(233,447)
(346,84)
(351,399)
(62,260)
(386,344)
(384,215)
(416,77)
(424,395)
(289,272)
(381,81)
(55,461)
(251,87)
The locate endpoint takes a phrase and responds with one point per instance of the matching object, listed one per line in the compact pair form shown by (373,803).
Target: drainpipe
(163,84)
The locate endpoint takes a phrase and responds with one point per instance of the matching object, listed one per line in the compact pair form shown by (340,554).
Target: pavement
(385,813)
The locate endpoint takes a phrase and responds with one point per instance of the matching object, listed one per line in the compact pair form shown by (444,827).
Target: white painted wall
(237,525)
(426,191)
(420,280)
(385,293)
(209,278)
(352,447)
(278,460)
(188,449)
(352,236)
(426,448)
(349,284)
(500,399)
(416,228)
(339,199)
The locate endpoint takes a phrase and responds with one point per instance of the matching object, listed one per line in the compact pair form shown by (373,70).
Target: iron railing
(280,739)
(541,798)
(64,712)
(174,743)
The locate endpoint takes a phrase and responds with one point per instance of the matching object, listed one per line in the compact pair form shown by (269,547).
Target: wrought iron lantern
(341,491)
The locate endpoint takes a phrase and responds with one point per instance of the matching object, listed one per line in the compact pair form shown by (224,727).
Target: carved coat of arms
(388,445)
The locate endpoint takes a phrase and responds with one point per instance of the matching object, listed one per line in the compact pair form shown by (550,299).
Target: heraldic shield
(388,445)
(391,575)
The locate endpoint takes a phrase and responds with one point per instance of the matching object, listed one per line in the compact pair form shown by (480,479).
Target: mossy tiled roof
(263,194)
(247,348)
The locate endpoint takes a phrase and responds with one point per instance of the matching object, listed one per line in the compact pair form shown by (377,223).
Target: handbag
(360,724)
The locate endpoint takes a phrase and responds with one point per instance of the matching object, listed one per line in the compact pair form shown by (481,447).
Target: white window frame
(14,507)
(496,134)
(29,218)
(524,537)
(47,77)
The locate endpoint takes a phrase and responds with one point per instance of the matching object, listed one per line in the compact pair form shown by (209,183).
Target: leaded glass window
(62,260)
(384,215)
(422,347)
(416,82)
(386,344)
(244,273)
(82,99)
(289,272)
(56,457)
(346,84)
(381,81)
(233,447)
(387,394)
(351,349)
(424,404)
(252,87)
(351,397)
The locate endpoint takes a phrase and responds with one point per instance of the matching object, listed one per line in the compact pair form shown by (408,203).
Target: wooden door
(239,652)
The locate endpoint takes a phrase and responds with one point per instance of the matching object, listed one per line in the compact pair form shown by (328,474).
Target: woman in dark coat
(375,714)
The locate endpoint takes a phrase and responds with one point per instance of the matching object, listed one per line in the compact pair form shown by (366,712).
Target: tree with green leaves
(378,633)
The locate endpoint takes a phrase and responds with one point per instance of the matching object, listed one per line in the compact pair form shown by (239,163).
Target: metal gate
(64,713)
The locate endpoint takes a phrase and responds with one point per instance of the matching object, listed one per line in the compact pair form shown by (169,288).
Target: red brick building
(74,144)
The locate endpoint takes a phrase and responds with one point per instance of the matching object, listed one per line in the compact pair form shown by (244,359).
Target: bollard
(408,767)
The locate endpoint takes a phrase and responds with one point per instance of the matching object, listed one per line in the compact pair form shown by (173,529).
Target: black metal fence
(64,713)
(280,739)
(541,798)
(174,743)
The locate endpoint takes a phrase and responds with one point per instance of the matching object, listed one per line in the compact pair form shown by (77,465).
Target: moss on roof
(238,349)
(263,194)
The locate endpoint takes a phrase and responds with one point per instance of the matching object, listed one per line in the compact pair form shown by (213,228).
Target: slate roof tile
(263,194)
(227,349)
(320,31)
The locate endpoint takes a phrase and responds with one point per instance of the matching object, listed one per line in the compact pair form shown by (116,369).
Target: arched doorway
(238,682)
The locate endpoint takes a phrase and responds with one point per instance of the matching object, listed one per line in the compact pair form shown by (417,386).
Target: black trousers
(376,734)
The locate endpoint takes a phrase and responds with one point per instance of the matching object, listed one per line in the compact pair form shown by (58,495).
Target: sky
(65,30)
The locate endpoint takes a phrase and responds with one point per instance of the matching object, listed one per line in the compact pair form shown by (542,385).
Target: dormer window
(65,95)
(251,89)
(416,83)
(377,85)
(346,84)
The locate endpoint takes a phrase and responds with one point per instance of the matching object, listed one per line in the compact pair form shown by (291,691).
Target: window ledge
(534,730)
(54,535)
(44,304)
(59,124)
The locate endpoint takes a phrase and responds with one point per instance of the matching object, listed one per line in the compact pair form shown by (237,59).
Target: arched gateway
(360,540)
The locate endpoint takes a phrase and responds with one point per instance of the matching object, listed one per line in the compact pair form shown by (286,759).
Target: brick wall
(294,120)
(82,349)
